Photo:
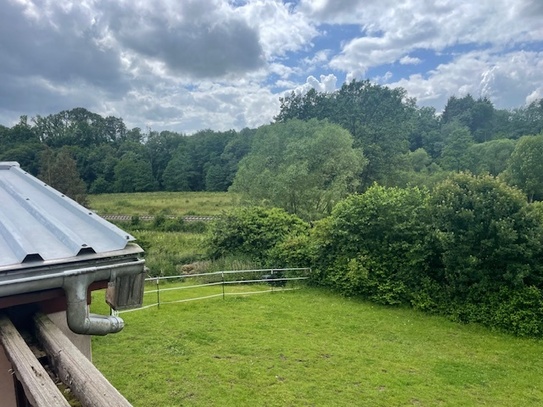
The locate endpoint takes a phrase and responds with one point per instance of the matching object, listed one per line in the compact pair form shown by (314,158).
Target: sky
(189,65)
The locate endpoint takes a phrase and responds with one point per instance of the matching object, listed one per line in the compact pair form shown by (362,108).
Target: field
(164,203)
(165,251)
(313,348)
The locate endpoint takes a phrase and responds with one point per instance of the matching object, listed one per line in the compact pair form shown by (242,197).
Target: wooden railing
(85,381)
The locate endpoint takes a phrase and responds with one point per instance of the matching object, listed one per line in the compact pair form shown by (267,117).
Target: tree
(454,156)
(425,131)
(376,244)
(178,172)
(237,148)
(525,166)
(161,147)
(487,236)
(490,157)
(377,117)
(252,232)
(302,167)
(477,115)
(134,174)
(59,170)
(526,120)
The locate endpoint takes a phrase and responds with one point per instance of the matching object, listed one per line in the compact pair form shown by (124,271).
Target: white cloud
(327,83)
(282,29)
(194,64)
(392,30)
(407,60)
(508,80)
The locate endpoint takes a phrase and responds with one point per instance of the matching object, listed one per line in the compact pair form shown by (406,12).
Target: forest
(385,200)
(395,143)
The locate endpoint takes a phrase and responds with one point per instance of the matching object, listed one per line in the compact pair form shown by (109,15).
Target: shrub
(252,232)
(376,244)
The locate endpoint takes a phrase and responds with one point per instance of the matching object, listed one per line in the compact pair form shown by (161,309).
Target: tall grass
(313,348)
(165,203)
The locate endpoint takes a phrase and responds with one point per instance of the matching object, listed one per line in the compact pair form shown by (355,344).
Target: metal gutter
(75,283)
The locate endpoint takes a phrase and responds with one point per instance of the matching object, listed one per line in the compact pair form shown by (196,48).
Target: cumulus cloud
(508,80)
(407,60)
(202,39)
(392,30)
(327,83)
(194,64)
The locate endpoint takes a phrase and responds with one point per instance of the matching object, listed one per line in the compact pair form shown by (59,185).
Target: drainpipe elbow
(77,313)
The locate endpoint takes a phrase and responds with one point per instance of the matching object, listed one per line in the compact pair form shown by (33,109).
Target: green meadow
(311,347)
(163,203)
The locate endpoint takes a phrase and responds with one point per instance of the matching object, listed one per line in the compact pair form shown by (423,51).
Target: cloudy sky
(187,65)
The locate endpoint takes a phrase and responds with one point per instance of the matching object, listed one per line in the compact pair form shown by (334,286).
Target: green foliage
(471,249)
(134,174)
(376,116)
(525,166)
(487,236)
(375,244)
(490,157)
(302,167)
(252,232)
(477,115)
(59,170)
(166,252)
(458,141)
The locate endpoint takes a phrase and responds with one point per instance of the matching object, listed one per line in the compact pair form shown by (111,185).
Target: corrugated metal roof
(39,224)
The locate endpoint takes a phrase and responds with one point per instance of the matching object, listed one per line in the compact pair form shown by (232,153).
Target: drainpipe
(75,283)
(77,311)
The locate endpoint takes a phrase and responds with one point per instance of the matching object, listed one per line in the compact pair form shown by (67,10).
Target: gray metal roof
(39,225)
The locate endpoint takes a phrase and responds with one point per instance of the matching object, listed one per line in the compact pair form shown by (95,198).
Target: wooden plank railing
(40,390)
(86,382)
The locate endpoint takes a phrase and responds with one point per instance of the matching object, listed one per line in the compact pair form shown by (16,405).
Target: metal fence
(192,287)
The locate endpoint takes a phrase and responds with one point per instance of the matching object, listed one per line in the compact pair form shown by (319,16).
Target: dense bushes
(253,233)
(471,249)
(375,244)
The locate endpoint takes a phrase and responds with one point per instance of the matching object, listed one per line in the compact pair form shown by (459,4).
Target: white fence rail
(266,280)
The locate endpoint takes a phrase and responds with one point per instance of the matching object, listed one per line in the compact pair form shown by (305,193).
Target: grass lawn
(165,203)
(313,348)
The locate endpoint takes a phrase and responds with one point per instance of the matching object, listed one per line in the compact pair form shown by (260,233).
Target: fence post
(158,292)
(222,273)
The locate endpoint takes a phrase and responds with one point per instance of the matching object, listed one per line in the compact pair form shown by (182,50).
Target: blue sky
(196,64)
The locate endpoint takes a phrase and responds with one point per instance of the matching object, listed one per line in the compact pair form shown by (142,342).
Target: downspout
(75,283)
(76,286)
(77,311)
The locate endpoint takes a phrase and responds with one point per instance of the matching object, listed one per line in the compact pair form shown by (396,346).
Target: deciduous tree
(303,167)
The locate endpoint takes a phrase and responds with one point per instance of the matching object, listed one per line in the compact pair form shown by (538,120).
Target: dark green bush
(470,249)
(252,232)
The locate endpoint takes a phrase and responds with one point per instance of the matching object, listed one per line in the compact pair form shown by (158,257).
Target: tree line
(393,141)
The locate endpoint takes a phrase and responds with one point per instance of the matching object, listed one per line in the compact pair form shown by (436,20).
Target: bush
(376,244)
(252,232)
(470,249)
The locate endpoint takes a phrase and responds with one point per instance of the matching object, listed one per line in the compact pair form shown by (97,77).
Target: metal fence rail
(276,279)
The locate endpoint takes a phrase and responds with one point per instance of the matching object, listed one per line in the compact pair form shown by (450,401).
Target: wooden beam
(90,387)
(38,386)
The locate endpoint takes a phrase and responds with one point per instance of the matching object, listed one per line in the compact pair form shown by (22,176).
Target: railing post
(222,273)
(158,292)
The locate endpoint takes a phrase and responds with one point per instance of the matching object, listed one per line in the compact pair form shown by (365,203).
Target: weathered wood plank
(38,386)
(90,387)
